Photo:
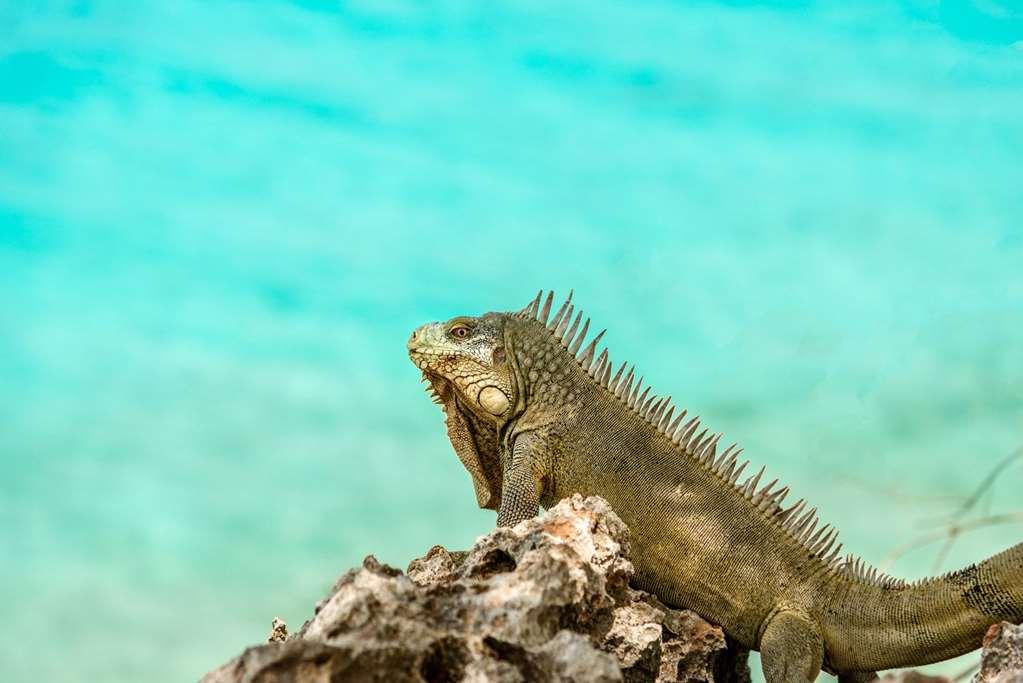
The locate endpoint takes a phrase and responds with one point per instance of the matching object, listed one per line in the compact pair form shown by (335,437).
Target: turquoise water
(220,220)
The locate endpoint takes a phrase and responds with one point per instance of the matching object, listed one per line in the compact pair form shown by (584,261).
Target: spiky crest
(798,522)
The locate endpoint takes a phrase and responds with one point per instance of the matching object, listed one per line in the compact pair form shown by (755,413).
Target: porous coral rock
(547,600)
(1002,658)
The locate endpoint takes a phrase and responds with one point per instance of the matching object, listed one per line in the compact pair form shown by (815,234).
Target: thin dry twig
(954,526)
(952,530)
(988,482)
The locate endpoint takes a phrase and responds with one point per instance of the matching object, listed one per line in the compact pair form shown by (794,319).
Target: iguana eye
(459,331)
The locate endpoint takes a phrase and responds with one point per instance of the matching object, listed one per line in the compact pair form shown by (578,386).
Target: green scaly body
(547,419)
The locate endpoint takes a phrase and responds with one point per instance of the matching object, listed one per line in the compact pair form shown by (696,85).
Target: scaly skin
(535,418)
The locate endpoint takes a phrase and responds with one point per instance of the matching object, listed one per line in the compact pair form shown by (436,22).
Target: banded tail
(877,627)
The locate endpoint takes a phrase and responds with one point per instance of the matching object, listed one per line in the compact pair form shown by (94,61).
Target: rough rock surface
(1002,659)
(548,600)
(278,631)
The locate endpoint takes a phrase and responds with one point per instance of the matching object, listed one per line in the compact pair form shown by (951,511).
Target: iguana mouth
(425,357)
(422,357)
(436,386)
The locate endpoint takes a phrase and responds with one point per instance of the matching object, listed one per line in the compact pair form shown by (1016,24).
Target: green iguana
(535,416)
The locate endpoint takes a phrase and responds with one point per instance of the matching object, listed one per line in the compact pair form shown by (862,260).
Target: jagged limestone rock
(1002,659)
(278,631)
(547,600)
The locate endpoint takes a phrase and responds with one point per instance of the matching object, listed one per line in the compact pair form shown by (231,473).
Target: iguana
(535,416)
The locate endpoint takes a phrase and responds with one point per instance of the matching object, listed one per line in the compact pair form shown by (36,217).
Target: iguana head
(485,370)
(466,364)
(467,355)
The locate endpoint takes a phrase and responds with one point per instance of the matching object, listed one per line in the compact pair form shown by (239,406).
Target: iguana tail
(877,625)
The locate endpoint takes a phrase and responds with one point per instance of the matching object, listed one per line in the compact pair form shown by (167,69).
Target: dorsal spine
(798,522)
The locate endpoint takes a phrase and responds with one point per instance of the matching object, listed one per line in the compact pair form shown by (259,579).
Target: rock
(1002,658)
(548,600)
(278,631)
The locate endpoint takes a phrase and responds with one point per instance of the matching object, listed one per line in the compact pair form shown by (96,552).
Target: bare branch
(953,530)
(953,526)
(989,481)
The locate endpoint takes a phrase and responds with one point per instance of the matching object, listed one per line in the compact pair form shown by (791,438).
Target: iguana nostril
(413,339)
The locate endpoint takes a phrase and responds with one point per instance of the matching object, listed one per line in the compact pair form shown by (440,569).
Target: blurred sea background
(220,220)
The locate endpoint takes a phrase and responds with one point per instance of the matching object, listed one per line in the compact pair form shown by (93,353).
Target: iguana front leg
(523,480)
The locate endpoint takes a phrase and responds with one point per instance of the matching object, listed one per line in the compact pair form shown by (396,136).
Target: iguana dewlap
(535,416)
